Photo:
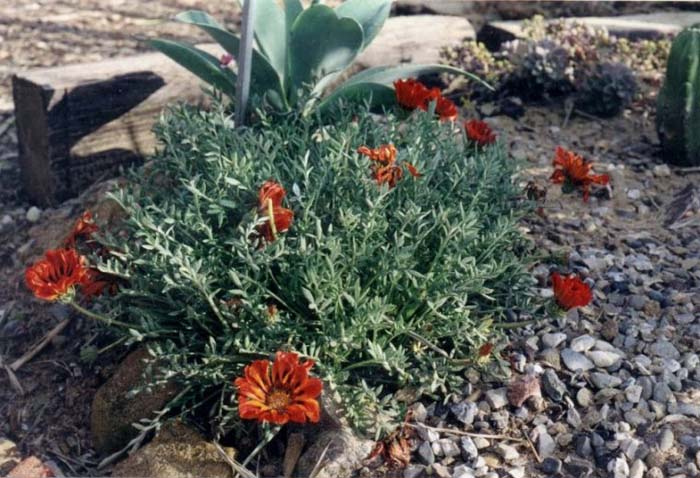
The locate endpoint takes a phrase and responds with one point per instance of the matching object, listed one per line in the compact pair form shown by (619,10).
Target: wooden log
(77,124)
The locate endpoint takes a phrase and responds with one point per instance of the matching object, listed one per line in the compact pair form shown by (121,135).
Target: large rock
(176,452)
(414,39)
(114,410)
(440,7)
(647,25)
(344,454)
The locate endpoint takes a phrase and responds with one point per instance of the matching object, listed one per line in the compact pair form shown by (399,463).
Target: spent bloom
(385,169)
(571,291)
(84,227)
(572,171)
(279,393)
(278,218)
(225,60)
(56,276)
(479,132)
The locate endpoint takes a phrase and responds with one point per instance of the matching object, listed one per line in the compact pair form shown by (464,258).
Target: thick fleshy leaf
(320,45)
(375,94)
(265,82)
(271,33)
(370,14)
(200,63)
(388,74)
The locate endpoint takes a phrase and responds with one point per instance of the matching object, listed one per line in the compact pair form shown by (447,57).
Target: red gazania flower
(57,274)
(280,393)
(573,171)
(411,94)
(479,132)
(385,169)
(279,219)
(84,227)
(445,109)
(571,291)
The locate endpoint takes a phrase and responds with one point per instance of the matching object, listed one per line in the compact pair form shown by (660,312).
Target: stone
(31,467)
(637,469)
(689,409)
(343,452)
(468,448)
(418,412)
(655,472)
(518,472)
(449,447)
(462,471)
(497,398)
(582,343)
(508,452)
(633,393)
(666,439)
(441,470)
(175,452)
(619,468)
(425,453)
(583,446)
(603,359)
(664,349)
(546,446)
(465,412)
(413,471)
(551,465)
(584,397)
(33,214)
(662,170)
(551,357)
(114,409)
(553,387)
(427,434)
(553,340)
(604,380)
(576,361)
(662,393)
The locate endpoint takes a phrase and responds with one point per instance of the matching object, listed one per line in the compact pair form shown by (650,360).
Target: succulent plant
(608,89)
(541,68)
(299,52)
(678,104)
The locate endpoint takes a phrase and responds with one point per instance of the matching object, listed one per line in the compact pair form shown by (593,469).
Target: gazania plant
(376,257)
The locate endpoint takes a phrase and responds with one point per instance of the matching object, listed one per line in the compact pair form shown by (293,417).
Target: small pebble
(33,214)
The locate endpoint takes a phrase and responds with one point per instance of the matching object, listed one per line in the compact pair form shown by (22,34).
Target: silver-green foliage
(299,52)
(385,289)
(678,106)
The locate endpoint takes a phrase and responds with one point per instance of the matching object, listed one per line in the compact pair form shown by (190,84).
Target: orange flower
(84,227)
(571,291)
(479,132)
(279,219)
(445,109)
(386,170)
(573,171)
(56,276)
(281,393)
(411,94)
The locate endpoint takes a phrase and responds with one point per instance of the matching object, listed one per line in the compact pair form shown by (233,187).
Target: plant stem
(101,318)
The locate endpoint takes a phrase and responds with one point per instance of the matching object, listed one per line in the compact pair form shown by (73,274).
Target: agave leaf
(200,63)
(370,14)
(270,28)
(321,44)
(377,95)
(265,82)
(388,74)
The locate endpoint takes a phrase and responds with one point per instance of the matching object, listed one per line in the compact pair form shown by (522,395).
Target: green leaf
(388,74)
(264,79)
(375,94)
(321,44)
(200,63)
(370,14)
(271,34)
